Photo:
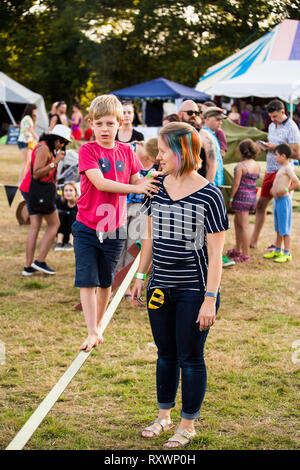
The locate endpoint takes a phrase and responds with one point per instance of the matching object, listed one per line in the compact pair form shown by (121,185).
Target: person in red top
(44,160)
(109,171)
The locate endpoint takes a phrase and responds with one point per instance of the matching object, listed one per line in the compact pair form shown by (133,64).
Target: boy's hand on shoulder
(147,186)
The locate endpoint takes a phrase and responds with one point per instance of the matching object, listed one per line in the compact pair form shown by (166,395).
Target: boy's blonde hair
(151,147)
(106,105)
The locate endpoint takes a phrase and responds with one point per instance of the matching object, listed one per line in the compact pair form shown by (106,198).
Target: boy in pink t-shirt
(109,171)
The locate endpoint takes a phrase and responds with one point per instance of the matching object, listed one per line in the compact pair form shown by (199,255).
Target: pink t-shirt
(99,210)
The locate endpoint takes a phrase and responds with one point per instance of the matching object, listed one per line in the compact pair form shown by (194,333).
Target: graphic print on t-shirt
(104,165)
(119,166)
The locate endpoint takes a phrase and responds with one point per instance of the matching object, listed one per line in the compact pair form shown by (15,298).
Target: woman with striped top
(186,230)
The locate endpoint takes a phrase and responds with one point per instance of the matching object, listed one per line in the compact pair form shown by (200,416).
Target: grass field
(252,399)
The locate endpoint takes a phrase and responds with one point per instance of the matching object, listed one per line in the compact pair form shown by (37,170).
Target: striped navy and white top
(179,257)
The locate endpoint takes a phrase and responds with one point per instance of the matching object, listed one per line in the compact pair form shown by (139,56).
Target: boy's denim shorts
(95,262)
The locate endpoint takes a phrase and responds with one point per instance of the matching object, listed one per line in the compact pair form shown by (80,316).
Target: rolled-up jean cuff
(190,415)
(166,406)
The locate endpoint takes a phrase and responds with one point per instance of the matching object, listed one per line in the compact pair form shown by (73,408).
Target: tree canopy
(64,49)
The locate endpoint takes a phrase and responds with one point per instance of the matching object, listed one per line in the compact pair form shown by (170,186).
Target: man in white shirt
(281,130)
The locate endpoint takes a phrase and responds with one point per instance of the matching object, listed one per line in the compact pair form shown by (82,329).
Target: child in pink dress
(243,198)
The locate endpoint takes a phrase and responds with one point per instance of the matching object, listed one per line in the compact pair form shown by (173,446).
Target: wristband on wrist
(286,189)
(211,294)
(230,199)
(140,276)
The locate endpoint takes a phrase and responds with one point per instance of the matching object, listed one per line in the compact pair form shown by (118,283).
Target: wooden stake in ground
(43,409)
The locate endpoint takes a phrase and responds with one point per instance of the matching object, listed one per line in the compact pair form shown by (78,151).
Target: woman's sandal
(183,438)
(164,426)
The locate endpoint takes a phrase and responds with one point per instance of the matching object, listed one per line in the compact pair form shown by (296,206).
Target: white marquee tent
(272,78)
(13,92)
(260,69)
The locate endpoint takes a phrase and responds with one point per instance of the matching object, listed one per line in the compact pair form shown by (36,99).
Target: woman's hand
(136,292)
(207,314)
(59,156)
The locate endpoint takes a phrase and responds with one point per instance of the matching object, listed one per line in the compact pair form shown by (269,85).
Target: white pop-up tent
(269,79)
(13,92)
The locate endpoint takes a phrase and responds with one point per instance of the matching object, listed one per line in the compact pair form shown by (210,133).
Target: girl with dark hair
(44,160)
(187,221)
(243,198)
(27,135)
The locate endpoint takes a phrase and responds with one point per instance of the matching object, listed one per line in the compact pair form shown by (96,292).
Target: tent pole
(9,113)
(291,108)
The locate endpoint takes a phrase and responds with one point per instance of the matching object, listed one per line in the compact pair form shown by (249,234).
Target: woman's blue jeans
(180,345)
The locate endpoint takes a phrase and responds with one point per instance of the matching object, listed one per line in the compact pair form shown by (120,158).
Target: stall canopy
(13,92)
(272,78)
(162,89)
(280,44)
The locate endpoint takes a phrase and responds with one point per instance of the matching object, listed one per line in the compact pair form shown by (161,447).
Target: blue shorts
(22,145)
(95,262)
(282,209)
(30,211)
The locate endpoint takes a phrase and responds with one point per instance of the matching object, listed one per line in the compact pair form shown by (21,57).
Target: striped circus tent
(280,44)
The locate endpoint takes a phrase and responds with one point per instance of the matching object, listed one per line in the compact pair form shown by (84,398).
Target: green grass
(252,399)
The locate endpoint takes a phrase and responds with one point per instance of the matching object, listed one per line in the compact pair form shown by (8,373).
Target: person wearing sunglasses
(189,113)
(44,160)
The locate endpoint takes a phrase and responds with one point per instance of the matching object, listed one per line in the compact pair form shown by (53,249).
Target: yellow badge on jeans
(157,299)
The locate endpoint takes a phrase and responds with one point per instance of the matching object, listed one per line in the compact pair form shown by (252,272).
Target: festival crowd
(166,194)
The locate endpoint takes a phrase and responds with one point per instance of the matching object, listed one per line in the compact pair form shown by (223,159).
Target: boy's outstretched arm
(146,186)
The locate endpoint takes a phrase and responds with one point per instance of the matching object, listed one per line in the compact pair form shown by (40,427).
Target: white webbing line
(25,433)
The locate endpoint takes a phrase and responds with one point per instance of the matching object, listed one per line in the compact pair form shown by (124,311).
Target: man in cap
(220,134)
(213,117)
(189,113)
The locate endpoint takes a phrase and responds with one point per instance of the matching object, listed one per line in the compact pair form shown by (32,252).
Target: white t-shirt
(285,133)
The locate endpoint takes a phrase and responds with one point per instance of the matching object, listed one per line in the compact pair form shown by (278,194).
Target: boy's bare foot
(90,342)
(100,337)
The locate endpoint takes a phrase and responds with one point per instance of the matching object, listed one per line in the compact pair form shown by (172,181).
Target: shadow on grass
(35,285)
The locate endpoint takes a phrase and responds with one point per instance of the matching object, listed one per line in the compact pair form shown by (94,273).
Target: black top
(62,206)
(203,169)
(58,118)
(134,136)
(179,254)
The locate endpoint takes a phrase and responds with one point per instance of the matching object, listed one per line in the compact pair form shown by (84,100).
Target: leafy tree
(66,49)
